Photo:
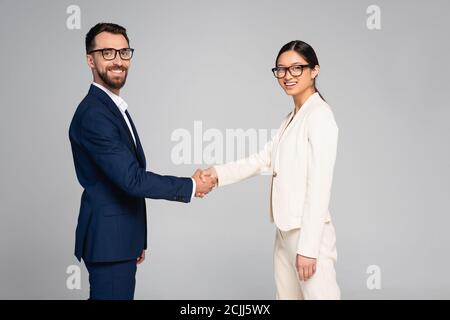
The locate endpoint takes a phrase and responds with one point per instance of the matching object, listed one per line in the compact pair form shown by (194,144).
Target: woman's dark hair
(103,27)
(303,49)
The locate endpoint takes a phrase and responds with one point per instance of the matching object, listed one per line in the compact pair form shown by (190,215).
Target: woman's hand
(306,267)
(209,173)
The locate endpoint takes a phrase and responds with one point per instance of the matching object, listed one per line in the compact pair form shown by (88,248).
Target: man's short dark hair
(103,27)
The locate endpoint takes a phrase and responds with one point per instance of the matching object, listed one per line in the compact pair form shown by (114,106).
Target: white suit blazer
(301,159)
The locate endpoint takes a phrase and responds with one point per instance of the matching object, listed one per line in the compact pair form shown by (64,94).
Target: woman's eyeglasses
(295,70)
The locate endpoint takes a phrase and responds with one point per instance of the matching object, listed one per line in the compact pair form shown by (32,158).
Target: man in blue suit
(111,235)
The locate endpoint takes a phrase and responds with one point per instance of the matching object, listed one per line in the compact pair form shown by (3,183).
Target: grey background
(210,61)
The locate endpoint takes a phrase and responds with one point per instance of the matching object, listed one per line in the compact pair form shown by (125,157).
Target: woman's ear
(315,72)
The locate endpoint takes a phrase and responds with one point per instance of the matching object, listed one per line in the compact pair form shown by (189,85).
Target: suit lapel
(309,103)
(115,110)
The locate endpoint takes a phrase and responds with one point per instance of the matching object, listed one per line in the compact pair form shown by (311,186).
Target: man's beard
(113,84)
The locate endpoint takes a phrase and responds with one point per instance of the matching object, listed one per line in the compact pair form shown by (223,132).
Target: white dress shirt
(122,105)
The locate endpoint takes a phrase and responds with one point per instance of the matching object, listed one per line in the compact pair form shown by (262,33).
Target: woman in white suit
(301,158)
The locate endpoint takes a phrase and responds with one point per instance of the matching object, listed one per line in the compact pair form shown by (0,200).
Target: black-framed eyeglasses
(111,53)
(295,70)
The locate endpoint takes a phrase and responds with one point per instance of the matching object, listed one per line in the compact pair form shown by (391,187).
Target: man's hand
(141,258)
(204,183)
(306,267)
(210,172)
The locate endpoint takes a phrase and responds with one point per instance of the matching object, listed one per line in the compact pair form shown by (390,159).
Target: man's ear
(315,72)
(90,61)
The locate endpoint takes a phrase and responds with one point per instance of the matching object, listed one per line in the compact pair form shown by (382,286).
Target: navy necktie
(132,126)
(138,147)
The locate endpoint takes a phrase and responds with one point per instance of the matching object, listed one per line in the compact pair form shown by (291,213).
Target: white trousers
(322,285)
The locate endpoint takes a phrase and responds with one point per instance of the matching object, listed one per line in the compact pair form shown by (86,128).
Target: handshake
(205,181)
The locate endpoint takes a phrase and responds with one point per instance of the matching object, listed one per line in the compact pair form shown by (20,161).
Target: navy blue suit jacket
(112,170)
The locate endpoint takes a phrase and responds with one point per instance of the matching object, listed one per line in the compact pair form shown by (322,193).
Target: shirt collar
(120,103)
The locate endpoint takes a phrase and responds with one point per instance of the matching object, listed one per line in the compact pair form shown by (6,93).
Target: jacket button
(274,174)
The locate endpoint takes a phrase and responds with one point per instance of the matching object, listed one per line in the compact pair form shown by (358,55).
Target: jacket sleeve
(322,146)
(100,137)
(242,169)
